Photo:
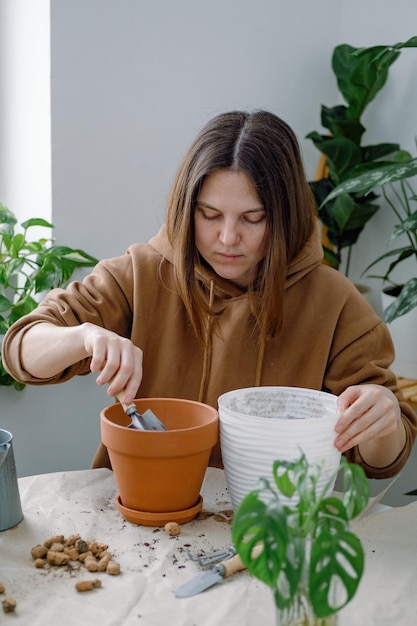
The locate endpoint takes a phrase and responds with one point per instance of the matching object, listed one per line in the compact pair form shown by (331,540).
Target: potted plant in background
(309,557)
(401,291)
(361,73)
(27,269)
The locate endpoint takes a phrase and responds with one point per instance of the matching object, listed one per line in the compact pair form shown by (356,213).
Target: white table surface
(154,564)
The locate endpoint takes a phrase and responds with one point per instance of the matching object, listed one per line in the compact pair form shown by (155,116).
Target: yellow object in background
(322,172)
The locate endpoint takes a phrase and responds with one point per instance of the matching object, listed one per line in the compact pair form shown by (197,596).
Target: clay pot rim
(212,417)
(151,433)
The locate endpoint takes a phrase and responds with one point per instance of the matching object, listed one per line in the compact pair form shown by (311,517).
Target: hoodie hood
(309,257)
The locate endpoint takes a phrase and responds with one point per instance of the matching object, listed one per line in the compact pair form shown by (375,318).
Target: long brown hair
(265,148)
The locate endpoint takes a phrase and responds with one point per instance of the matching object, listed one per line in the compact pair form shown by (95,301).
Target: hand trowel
(211,577)
(145,421)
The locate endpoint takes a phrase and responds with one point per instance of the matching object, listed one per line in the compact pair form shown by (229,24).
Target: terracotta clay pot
(159,474)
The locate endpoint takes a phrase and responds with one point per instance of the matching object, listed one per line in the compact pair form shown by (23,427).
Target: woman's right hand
(117,359)
(47,350)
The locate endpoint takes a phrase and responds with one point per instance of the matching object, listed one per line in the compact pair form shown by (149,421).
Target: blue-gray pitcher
(10,505)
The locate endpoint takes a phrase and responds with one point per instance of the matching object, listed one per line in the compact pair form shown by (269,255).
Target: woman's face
(230,224)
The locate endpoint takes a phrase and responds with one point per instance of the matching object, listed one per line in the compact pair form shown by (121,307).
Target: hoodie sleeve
(366,358)
(103,298)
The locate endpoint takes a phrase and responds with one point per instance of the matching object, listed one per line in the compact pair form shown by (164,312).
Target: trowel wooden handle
(126,407)
(235,564)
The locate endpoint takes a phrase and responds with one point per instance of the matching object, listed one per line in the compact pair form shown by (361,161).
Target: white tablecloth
(154,564)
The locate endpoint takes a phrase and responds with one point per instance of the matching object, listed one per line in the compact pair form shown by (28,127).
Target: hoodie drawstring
(260,361)
(207,346)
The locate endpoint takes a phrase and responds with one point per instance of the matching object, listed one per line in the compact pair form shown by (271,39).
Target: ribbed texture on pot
(262,424)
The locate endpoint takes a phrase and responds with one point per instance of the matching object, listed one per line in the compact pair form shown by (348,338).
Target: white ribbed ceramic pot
(259,425)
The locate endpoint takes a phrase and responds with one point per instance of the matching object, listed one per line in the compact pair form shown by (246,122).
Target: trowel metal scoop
(146,421)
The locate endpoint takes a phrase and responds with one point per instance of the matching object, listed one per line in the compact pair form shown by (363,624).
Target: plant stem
(403,202)
(300,613)
(348,260)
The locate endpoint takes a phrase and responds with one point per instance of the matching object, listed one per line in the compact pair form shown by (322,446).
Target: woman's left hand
(366,413)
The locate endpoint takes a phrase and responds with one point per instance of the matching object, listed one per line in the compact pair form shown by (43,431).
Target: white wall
(25,112)
(131,83)
(142,79)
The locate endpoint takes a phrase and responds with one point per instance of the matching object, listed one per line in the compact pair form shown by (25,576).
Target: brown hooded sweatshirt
(330,338)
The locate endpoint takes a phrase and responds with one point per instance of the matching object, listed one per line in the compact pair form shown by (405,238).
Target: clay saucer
(145,518)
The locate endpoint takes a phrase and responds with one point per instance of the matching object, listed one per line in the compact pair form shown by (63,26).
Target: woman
(230,293)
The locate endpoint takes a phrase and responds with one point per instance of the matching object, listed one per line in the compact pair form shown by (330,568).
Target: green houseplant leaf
(377,177)
(264,523)
(404,303)
(337,558)
(355,490)
(399,195)
(360,74)
(27,268)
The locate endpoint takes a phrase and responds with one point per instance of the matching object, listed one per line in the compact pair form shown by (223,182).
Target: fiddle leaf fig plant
(307,547)
(27,268)
(360,73)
